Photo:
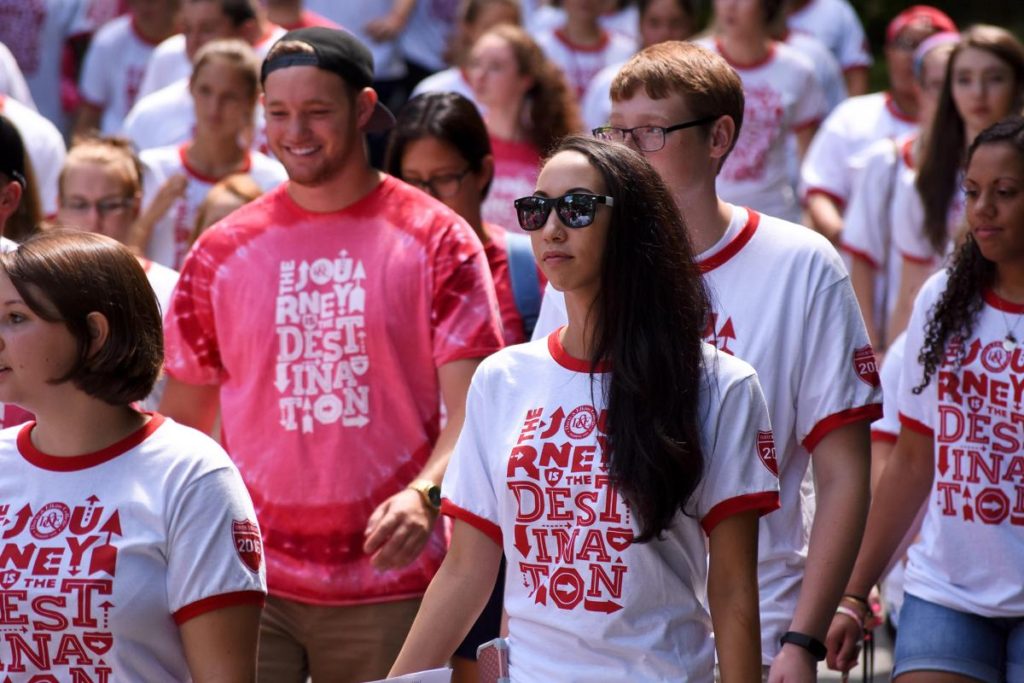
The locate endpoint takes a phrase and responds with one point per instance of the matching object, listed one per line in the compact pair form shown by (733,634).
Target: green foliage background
(876,14)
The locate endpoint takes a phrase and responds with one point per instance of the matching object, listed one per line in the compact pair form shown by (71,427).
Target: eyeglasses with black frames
(647,138)
(442,186)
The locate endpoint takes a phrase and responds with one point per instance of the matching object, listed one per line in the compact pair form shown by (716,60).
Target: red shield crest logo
(248,544)
(8,578)
(766,451)
(865,367)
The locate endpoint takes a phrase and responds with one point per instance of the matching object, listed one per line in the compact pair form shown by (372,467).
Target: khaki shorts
(331,644)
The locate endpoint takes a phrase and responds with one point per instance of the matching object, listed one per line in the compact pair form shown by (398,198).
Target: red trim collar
(198,175)
(999,303)
(564,39)
(74,463)
(897,113)
(745,67)
(733,248)
(562,357)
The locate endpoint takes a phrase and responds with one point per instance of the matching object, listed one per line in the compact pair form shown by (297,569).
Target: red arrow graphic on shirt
(943,460)
(606,606)
(281,383)
(522,543)
(556,423)
(24,514)
(104,558)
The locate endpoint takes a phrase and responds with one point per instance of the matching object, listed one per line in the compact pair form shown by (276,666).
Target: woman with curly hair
(529,108)
(984,83)
(608,459)
(960,445)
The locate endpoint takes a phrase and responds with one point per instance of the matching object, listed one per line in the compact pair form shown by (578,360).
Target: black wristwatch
(809,643)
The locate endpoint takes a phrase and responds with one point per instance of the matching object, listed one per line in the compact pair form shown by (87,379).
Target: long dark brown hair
(649,316)
(945,148)
(970,273)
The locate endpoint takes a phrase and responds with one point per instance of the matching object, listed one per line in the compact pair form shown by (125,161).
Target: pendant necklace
(1010,340)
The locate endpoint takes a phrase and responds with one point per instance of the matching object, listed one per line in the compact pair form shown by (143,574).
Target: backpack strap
(525,285)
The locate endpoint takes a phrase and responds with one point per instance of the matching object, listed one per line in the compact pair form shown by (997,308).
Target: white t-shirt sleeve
(468,490)
(908,236)
(12,80)
(866,229)
(916,411)
(739,454)
(824,168)
(853,50)
(887,427)
(596,104)
(811,104)
(552,313)
(95,84)
(51,156)
(839,381)
(215,552)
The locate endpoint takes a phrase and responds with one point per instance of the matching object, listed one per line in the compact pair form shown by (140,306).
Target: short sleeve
(824,169)
(468,490)
(215,551)
(887,427)
(191,346)
(916,410)
(866,223)
(552,313)
(811,104)
(12,80)
(51,157)
(839,381)
(908,236)
(464,310)
(596,103)
(854,51)
(94,83)
(741,471)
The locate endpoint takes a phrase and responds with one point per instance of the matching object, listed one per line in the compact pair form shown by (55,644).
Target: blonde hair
(105,150)
(238,54)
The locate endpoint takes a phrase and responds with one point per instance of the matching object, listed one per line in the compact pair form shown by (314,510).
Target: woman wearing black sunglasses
(609,459)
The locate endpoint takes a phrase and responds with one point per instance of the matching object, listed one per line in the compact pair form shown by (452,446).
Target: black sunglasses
(575,210)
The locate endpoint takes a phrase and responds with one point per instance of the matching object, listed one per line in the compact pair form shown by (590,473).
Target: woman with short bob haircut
(156,515)
(610,458)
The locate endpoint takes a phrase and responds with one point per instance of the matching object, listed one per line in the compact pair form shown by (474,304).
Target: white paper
(443,675)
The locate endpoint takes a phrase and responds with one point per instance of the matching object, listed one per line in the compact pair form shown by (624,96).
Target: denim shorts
(936,638)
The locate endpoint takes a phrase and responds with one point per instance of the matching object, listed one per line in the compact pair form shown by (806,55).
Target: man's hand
(398,529)
(793,664)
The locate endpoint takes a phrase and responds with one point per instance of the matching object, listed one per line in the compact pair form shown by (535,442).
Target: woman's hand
(843,642)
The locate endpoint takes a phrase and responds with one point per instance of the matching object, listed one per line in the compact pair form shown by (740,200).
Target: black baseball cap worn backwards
(339,52)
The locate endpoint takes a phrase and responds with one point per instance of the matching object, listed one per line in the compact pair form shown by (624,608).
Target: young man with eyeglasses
(782,302)
(837,154)
(329,319)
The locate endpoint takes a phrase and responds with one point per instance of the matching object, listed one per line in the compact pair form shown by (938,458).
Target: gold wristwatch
(429,492)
